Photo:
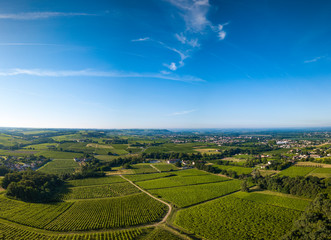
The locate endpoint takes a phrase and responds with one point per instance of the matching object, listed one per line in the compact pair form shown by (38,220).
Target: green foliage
(189,195)
(95,181)
(60,166)
(180,181)
(143,177)
(31,186)
(143,168)
(8,231)
(31,214)
(100,191)
(315,222)
(109,213)
(276,199)
(4,171)
(233,218)
(165,167)
(161,234)
(295,171)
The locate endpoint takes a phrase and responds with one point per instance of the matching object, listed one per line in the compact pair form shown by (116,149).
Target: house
(173,160)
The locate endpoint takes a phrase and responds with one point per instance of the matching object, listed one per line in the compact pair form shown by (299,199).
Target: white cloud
(92,73)
(183,39)
(182,112)
(314,59)
(40,15)
(140,39)
(221,35)
(172,66)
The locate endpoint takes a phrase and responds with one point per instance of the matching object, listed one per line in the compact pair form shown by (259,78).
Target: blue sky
(165,63)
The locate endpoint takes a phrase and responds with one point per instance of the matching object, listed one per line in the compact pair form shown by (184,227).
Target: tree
(244,186)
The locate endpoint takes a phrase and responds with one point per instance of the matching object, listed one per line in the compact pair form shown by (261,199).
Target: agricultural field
(180,181)
(162,234)
(144,177)
(165,167)
(234,218)
(95,181)
(189,195)
(118,212)
(100,191)
(60,166)
(321,172)
(59,155)
(295,171)
(143,168)
(31,214)
(237,169)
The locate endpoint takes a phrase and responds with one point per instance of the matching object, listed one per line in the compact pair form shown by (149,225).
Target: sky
(165,63)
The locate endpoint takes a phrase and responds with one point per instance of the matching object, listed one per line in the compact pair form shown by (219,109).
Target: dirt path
(169,206)
(155,168)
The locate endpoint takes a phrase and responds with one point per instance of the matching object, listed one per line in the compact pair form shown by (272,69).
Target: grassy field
(295,171)
(234,218)
(180,181)
(100,191)
(59,155)
(109,213)
(189,195)
(60,166)
(143,168)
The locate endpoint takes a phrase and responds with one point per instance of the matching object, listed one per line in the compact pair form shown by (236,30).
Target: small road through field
(169,206)
(155,168)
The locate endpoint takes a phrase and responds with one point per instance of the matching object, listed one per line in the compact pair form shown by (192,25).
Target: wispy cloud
(41,15)
(93,73)
(314,59)
(182,112)
(141,39)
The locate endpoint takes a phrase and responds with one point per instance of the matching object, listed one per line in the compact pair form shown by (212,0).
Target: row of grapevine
(31,214)
(95,181)
(109,213)
(9,232)
(100,191)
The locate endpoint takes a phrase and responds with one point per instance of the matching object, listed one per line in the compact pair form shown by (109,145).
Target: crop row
(188,195)
(295,171)
(180,181)
(234,218)
(96,181)
(31,214)
(109,213)
(165,167)
(100,191)
(16,233)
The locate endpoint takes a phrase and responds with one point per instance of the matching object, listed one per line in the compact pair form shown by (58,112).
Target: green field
(295,171)
(100,191)
(237,169)
(60,166)
(118,212)
(143,168)
(143,177)
(321,172)
(13,232)
(180,181)
(234,218)
(95,181)
(165,167)
(189,195)
(31,214)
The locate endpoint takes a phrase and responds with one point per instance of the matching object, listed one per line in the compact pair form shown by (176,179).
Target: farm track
(144,191)
(155,168)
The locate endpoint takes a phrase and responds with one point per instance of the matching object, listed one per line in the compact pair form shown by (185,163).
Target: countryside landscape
(161,184)
(165,120)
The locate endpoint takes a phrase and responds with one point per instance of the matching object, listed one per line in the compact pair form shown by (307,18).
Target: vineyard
(276,199)
(100,191)
(8,231)
(189,195)
(143,177)
(234,218)
(60,166)
(165,167)
(31,214)
(321,172)
(295,171)
(109,213)
(95,181)
(143,168)
(180,181)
